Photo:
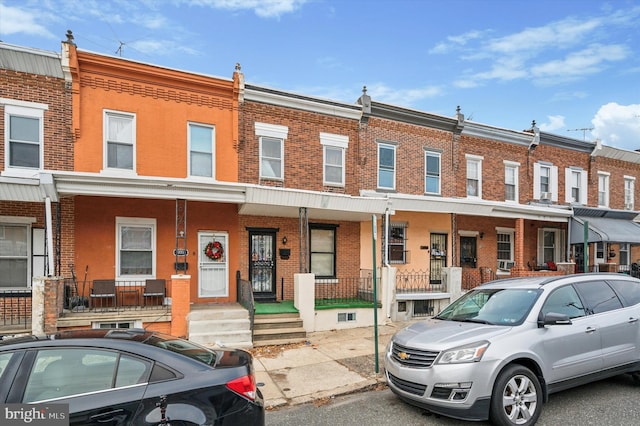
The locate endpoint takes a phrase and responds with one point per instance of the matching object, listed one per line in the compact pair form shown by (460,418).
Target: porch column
(180,304)
(519,246)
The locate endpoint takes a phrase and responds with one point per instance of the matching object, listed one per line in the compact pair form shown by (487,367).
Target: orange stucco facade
(163,103)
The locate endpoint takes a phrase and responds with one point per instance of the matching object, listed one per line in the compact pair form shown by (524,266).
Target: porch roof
(29,189)
(605,225)
(95,184)
(283,202)
(474,207)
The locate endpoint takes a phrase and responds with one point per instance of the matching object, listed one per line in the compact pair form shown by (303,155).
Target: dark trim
(253,229)
(418,118)
(479,411)
(325,226)
(566,142)
(590,378)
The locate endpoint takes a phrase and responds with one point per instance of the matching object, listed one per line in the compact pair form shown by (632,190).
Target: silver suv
(499,350)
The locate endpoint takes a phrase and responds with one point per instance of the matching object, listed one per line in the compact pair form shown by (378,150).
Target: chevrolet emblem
(404,355)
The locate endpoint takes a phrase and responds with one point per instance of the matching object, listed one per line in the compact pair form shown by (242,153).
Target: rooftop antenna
(584,131)
(119,51)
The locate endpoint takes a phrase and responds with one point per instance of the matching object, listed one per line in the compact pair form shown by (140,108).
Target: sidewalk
(328,364)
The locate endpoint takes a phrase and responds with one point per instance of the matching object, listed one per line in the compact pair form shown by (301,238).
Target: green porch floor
(283,307)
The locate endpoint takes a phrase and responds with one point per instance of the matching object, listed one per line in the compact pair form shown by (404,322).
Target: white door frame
(213,275)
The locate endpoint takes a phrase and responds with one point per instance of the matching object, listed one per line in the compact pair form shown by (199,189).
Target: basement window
(346,316)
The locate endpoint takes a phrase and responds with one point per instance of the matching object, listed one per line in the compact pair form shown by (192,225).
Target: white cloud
(618,125)
(555,122)
(14,21)
(262,8)
(406,97)
(584,62)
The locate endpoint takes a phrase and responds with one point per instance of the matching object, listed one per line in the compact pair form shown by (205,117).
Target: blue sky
(571,65)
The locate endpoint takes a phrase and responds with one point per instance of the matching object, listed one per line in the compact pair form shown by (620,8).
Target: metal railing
(111,295)
(351,290)
(417,282)
(15,308)
(245,298)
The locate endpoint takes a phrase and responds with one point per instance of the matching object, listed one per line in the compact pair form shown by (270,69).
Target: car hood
(435,334)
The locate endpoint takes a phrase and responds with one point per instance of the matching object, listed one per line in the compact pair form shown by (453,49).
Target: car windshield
(184,347)
(491,306)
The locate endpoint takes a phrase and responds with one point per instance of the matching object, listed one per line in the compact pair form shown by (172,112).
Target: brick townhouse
(36,225)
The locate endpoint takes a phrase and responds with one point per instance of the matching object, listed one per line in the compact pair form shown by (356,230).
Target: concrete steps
(225,325)
(278,329)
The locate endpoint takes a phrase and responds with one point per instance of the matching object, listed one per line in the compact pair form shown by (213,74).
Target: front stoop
(223,326)
(278,329)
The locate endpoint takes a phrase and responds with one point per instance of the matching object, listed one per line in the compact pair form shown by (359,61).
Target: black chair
(103,290)
(155,289)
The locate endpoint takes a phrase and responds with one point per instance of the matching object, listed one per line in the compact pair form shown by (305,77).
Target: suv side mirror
(553,318)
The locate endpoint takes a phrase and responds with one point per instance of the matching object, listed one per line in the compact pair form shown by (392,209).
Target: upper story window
(629,191)
(386,166)
(396,243)
(135,248)
(201,150)
(334,148)
(323,250)
(545,182)
(576,185)
(120,140)
(271,141)
(603,189)
(432,172)
(23,136)
(511,171)
(474,176)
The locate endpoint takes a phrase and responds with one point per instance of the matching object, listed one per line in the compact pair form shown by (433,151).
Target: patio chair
(154,289)
(103,290)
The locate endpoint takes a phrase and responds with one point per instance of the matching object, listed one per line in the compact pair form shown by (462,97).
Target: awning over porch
(29,189)
(605,225)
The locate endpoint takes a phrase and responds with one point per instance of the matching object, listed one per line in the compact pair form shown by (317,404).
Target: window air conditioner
(545,196)
(628,206)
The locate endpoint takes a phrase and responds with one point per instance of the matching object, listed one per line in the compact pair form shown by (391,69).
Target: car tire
(516,397)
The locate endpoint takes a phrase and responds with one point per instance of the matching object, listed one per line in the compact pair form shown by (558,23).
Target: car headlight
(468,353)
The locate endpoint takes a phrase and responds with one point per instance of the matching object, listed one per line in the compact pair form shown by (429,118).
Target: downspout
(386,262)
(49,228)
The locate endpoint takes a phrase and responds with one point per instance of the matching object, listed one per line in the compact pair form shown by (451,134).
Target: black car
(131,377)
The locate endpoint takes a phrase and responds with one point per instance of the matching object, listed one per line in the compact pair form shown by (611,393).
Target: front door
(438,252)
(213,267)
(262,266)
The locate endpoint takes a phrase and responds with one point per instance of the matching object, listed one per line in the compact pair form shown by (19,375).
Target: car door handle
(106,416)
(632,319)
(590,330)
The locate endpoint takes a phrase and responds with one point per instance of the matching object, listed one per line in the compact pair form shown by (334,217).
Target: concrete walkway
(328,364)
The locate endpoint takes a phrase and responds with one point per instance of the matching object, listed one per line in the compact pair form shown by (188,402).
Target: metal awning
(605,229)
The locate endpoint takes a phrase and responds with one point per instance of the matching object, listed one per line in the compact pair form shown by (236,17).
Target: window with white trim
(135,248)
(629,189)
(603,189)
(545,182)
(474,176)
(505,244)
(202,143)
(386,166)
(271,149)
(396,243)
(511,171)
(23,136)
(119,140)
(551,245)
(333,155)
(323,250)
(576,185)
(432,172)
(14,256)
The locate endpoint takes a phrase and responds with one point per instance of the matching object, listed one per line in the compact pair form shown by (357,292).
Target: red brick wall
(58,142)
(347,249)
(303,153)
(411,143)
(618,170)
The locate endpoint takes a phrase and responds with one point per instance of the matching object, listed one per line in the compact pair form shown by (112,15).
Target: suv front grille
(407,386)
(410,357)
